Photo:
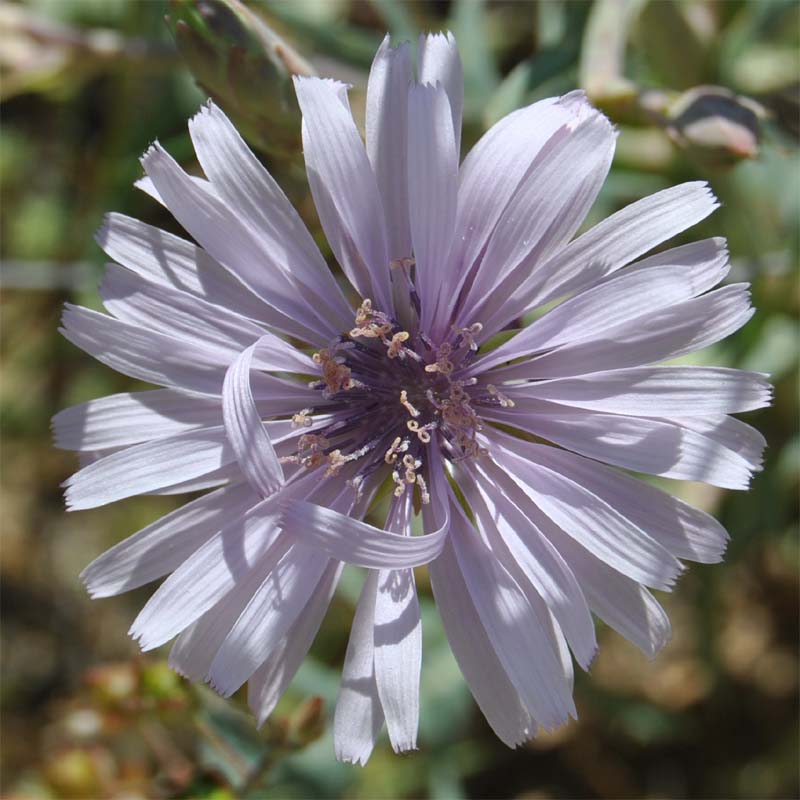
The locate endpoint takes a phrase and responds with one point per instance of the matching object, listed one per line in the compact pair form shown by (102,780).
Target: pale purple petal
(386,140)
(293,574)
(169,260)
(543,214)
(164,545)
(147,467)
(175,313)
(398,642)
(272,678)
(220,231)
(620,602)
(685,531)
(661,336)
(356,542)
(610,245)
(490,686)
(438,61)
(143,354)
(245,430)
(497,164)
(591,521)
(225,560)
(500,515)
(241,182)
(516,631)
(359,716)
(119,420)
(195,648)
(631,297)
(344,188)
(651,445)
(432,187)
(656,391)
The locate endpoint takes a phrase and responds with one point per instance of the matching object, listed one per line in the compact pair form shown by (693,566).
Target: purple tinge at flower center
(390,393)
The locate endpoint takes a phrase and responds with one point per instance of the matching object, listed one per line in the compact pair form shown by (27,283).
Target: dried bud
(715,125)
(240,62)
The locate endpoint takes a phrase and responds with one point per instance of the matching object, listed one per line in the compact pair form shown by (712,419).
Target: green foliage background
(86,86)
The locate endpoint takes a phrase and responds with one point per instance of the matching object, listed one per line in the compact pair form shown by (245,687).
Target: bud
(307,723)
(715,125)
(244,66)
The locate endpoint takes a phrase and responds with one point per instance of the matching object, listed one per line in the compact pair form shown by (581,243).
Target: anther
(407,405)
(302,419)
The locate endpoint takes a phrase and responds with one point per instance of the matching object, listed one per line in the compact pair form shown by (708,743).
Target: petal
(242,183)
(169,260)
(293,573)
(650,445)
(165,544)
(272,678)
(487,679)
(615,242)
(147,467)
(245,430)
(386,140)
(656,391)
(359,717)
(143,354)
(496,166)
(195,648)
(344,188)
(119,420)
(438,62)
(633,296)
(517,634)
(729,432)
(664,335)
(432,187)
(229,557)
(497,503)
(685,531)
(355,542)
(543,214)
(619,601)
(591,521)
(398,642)
(220,231)
(175,313)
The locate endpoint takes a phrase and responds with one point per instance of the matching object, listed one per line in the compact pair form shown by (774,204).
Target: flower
(300,409)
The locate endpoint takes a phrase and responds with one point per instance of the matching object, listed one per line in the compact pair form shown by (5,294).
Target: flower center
(391,394)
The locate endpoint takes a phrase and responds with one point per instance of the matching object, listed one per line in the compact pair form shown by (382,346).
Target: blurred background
(699,90)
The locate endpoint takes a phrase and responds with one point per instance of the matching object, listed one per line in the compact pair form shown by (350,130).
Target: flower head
(298,403)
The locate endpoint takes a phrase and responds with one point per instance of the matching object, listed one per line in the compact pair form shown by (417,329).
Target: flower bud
(715,125)
(307,723)
(243,65)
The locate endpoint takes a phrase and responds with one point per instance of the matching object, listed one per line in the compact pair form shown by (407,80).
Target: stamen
(407,405)
(504,400)
(302,419)
(335,374)
(395,347)
(423,490)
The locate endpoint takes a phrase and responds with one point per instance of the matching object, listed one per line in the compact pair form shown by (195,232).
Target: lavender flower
(299,409)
